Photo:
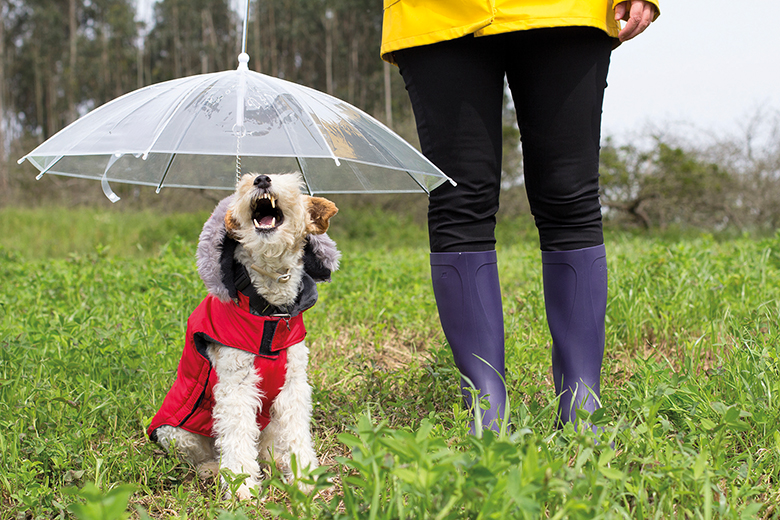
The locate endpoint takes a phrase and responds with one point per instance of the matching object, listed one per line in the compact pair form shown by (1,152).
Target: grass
(93,306)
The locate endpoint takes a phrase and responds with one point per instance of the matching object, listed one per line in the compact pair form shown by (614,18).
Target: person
(453,57)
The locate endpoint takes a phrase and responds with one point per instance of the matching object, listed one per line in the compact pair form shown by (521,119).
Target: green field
(93,306)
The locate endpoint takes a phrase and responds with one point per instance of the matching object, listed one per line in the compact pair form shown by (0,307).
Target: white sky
(703,66)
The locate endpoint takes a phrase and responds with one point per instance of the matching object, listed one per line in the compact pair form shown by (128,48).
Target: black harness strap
(244,284)
(269,330)
(236,279)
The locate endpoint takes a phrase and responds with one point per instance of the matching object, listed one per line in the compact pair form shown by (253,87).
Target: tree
(753,158)
(623,171)
(108,60)
(191,37)
(664,185)
(39,58)
(66,57)
(3,120)
(330,45)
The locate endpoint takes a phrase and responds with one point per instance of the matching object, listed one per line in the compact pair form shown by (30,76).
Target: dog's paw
(208,470)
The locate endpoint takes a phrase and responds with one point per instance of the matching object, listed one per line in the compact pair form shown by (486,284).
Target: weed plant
(93,309)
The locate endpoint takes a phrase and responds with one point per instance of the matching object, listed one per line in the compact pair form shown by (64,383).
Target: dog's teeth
(257,224)
(273,202)
(273,221)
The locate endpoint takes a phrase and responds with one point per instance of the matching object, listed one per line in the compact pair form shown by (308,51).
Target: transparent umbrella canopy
(202,131)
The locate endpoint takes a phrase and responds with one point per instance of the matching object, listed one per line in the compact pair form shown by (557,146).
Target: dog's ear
(320,211)
(231,225)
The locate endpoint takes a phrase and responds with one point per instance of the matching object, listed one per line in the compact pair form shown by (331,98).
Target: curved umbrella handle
(113,197)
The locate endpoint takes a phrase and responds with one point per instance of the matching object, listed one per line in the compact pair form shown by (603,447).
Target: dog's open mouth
(266,215)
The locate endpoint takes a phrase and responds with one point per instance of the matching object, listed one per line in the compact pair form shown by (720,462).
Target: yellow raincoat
(411,23)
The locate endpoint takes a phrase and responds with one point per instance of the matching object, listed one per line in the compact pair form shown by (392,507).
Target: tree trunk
(204,54)
(40,109)
(147,58)
(176,42)
(139,62)
(354,71)
(273,47)
(290,68)
(329,51)
(72,86)
(105,76)
(388,97)
(256,30)
(3,161)
(210,46)
(52,116)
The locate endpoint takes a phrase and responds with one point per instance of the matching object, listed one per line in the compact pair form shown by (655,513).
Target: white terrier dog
(241,390)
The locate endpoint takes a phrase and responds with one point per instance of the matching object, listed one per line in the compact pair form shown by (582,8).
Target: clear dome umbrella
(202,131)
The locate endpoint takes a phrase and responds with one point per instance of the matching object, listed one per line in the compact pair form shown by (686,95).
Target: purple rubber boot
(468,297)
(575,295)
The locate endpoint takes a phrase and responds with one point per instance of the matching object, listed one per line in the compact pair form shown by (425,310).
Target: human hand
(637,14)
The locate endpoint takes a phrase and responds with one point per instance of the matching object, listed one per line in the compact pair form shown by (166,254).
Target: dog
(241,391)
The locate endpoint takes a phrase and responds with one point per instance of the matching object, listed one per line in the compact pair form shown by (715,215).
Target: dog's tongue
(267,221)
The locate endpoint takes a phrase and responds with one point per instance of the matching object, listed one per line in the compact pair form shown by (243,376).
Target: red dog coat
(190,401)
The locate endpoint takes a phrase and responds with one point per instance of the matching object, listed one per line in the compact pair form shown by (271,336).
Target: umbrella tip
(243,59)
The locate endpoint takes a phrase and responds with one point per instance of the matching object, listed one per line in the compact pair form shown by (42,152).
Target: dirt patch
(390,349)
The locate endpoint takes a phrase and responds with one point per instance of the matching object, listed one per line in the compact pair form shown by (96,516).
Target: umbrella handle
(239,129)
(238,158)
(113,197)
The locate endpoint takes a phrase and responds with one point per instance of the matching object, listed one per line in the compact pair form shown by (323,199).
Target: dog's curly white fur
(273,245)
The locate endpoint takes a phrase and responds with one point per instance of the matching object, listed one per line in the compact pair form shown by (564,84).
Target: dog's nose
(262,181)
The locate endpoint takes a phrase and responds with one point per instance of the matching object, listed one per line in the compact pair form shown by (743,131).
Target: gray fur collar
(320,259)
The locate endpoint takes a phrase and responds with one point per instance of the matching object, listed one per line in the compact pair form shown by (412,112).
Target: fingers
(621,11)
(637,17)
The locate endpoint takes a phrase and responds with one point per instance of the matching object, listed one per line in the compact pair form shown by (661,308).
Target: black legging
(557,78)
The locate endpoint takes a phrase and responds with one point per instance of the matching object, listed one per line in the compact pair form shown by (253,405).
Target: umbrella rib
(290,139)
(165,173)
(89,116)
(132,109)
(313,123)
(146,102)
(181,138)
(426,190)
(45,170)
(368,136)
(303,174)
(129,110)
(360,177)
(172,112)
(375,144)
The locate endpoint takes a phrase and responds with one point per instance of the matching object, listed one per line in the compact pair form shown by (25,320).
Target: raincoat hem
(430,38)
